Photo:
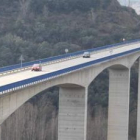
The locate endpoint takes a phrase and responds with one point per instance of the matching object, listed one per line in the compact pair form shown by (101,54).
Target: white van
(86,55)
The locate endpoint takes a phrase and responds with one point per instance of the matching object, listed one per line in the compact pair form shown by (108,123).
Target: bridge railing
(61,57)
(45,77)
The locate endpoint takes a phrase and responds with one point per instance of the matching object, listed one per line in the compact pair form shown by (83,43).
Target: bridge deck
(7,79)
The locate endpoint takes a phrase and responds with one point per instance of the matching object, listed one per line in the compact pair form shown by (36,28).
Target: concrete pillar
(138,107)
(0,132)
(72,119)
(1,115)
(118,112)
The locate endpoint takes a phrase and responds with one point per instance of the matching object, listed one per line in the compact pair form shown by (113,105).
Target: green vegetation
(43,28)
(39,29)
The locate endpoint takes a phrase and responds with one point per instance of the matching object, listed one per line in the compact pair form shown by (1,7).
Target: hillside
(136,6)
(38,29)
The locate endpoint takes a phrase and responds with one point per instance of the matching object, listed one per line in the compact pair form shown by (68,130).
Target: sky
(135,4)
(126,2)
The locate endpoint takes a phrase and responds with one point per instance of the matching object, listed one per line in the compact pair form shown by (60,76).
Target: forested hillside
(42,28)
(38,29)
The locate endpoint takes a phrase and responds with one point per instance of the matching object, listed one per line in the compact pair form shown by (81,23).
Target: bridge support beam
(72,119)
(118,112)
(138,107)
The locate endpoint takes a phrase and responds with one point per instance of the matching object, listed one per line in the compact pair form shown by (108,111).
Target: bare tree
(24,8)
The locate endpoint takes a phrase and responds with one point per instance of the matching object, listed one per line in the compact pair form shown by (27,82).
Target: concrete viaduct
(73,75)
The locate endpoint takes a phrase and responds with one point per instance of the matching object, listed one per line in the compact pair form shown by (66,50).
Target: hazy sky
(125,2)
(135,4)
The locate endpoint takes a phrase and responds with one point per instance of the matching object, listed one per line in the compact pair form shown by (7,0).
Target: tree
(24,8)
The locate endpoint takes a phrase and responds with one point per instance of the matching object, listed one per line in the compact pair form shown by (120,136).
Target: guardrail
(38,79)
(60,57)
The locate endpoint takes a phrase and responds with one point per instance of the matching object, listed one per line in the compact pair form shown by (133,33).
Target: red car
(36,67)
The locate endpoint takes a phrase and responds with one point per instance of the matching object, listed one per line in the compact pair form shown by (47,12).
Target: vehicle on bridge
(36,67)
(86,55)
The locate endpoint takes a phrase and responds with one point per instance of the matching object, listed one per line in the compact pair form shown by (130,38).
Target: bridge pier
(0,132)
(138,107)
(118,112)
(72,119)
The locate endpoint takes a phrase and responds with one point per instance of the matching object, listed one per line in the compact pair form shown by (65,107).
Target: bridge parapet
(45,61)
